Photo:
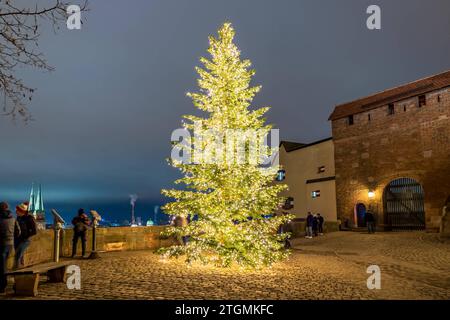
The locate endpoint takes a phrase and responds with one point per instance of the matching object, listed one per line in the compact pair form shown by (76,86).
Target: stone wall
(116,239)
(40,249)
(108,239)
(414,142)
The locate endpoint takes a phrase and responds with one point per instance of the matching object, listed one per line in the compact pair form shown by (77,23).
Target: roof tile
(406,91)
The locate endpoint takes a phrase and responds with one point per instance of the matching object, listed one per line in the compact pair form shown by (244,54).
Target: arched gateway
(360,212)
(403,201)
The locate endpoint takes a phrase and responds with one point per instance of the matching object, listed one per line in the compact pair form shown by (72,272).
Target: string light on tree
(232,202)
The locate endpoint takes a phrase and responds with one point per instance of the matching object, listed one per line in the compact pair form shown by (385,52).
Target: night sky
(103,118)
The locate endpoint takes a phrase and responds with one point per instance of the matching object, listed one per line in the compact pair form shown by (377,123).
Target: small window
(422,101)
(368,117)
(391,109)
(439,98)
(321,169)
(281,175)
(315,194)
(404,108)
(289,204)
(350,120)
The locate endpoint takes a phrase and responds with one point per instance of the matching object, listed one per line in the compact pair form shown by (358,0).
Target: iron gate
(404,205)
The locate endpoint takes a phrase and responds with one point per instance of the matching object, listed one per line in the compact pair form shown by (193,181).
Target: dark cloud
(104,117)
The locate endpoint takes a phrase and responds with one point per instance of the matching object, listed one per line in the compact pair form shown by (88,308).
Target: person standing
(80,227)
(181,221)
(9,229)
(28,229)
(320,220)
(309,225)
(315,225)
(370,221)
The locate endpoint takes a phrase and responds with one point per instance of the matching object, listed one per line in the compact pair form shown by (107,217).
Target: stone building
(308,170)
(392,155)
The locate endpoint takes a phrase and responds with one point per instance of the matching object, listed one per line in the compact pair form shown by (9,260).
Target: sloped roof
(291,146)
(409,90)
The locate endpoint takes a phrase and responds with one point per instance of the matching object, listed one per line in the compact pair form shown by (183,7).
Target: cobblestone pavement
(413,266)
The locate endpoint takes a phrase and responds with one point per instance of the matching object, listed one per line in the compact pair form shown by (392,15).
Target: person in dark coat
(309,225)
(8,230)
(370,221)
(28,229)
(315,225)
(320,220)
(80,227)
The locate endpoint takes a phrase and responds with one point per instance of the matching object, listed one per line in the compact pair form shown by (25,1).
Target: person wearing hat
(80,226)
(9,229)
(28,229)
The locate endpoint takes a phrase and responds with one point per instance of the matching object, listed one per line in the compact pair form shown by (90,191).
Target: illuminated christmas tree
(233,202)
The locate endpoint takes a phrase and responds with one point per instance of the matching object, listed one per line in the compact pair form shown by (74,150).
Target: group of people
(314,225)
(15,234)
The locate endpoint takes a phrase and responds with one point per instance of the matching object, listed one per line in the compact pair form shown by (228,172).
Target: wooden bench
(27,279)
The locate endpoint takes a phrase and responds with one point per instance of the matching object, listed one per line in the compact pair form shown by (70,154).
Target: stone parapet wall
(118,239)
(108,239)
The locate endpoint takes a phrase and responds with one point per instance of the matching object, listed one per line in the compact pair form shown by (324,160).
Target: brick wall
(413,142)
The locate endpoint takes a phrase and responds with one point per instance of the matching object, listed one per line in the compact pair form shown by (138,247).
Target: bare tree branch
(19,36)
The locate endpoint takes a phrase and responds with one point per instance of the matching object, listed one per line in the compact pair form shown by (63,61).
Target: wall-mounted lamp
(371,194)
